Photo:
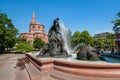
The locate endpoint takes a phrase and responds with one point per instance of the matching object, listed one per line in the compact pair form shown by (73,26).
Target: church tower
(36,30)
(33,21)
(35,26)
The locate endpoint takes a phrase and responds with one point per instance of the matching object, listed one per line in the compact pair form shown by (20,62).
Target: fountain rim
(78,69)
(76,64)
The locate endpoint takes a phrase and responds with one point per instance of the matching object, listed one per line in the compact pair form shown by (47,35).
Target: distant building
(101,35)
(117,36)
(35,30)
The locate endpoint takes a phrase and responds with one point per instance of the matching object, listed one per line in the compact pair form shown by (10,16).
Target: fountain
(57,47)
(86,52)
(86,66)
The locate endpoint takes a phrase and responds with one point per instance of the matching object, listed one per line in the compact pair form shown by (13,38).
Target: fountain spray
(65,32)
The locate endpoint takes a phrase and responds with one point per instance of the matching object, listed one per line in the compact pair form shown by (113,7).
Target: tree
(76,38)
(85,37)
(38,43)
(110,39)
(24,40)
(7,33)
(107,42)
(116,22)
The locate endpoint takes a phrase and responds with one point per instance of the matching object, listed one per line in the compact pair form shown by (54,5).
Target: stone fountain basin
(97,69)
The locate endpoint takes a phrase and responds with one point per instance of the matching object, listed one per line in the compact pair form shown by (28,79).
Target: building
(107,39)
(101,35)
(35,30)
(117,36)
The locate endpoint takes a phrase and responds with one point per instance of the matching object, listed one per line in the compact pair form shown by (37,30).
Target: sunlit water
(108,60)
(66,36)
(73,59)
(112,60)
(70,59)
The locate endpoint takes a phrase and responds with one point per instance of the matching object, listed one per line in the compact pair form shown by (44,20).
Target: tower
(35,27)
(35,30)
(33,21)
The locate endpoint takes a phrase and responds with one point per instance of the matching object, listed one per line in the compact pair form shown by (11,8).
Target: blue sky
(92,15)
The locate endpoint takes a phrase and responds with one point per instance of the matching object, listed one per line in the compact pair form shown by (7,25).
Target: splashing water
(65,32)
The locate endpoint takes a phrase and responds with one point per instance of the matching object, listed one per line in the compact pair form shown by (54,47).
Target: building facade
(101,35)
(36,30)
(117,36)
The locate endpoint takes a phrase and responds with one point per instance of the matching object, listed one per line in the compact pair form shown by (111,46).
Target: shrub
(24,47)
(38,43)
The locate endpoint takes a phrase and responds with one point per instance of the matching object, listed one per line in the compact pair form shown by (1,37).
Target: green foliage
(85,37)
(117,21)
(23,40)
(75,38)
(38,43)
(7,33)
(24,47)
(110,39)
(101,41)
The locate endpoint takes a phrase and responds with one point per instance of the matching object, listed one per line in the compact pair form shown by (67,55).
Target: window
(33,27)
(39,27)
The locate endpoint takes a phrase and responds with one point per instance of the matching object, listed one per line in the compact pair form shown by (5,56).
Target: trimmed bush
(24,47)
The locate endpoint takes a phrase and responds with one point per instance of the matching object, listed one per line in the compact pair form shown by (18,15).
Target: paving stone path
(8,69)
(13,68)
